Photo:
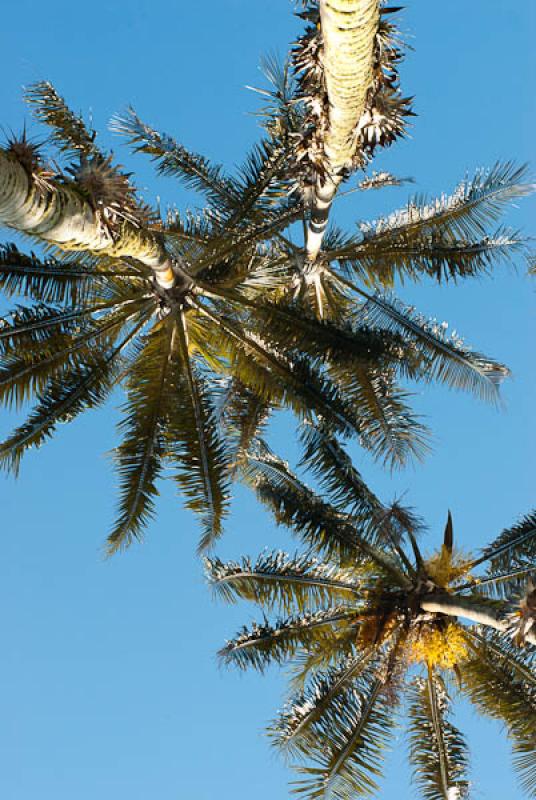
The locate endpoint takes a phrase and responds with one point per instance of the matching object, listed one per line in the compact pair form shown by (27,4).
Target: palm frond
(515,546)
(439,255)
(388,427)
(348,753)
(194,440)
(44,280)
(499,683)
(69,132)
(332,466)
(438,752)
(173,159)
(24,371)
(291,584)
(437,356)
(139,457)
(502,585)
(244,416)
(85,386)
(315,522)
(295,730)
(277,378)
(264,644)
(447,237)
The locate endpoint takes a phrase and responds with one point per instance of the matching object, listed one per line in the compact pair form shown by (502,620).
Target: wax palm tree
(370,621)
(159,305)
(347,69)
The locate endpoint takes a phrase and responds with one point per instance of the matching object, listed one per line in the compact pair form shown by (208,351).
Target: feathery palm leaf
(438,751)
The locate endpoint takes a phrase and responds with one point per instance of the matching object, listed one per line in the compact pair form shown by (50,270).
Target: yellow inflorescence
(445,567)
(441,647)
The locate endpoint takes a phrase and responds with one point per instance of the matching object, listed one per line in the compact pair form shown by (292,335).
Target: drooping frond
(514,547)
(194,442)
(278,580)
(43,344)
(44,280)
(317,523)
(264,644)
(388,427)
(501,684)
(84,386)
(69,132)
(437,356)
(382,525)
(139,457)
(438,752)
(294,731)
(244,416)
(333,467)
(347,753)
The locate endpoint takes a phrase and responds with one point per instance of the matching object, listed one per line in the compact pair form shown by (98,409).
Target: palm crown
(163,305)
(373,628)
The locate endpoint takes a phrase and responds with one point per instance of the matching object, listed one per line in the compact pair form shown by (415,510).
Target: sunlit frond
(263,644)
(501,683)
(281,581)
(515,546)
(69,134)
(438,752)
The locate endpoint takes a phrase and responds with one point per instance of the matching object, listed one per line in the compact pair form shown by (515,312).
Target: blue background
(110,686)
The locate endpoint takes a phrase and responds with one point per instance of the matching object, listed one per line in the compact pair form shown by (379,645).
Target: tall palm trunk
(348,31)
(464,607)
(58,214)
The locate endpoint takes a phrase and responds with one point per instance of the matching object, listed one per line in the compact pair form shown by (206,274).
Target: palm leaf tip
(438,752)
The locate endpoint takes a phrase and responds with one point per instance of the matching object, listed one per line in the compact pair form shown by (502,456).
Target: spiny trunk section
(348,31)
(59,215)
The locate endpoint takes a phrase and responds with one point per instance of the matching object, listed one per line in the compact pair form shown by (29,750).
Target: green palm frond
(26,326)
(290,380)
(437,356)
(500,682)
(281,581)
(195,445)
(447,237)
(263,644)
(69,132)
(294,731)
(139,457)
(515,546)
(502,585)
(25,372)
(389,429)
(348,752)
(438,752)
(84,386)
(317,523)
(244,417)
(437,254)
(46,281)
(324,455)
(173,159)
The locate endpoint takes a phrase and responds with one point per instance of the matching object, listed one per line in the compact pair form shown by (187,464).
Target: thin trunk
(60,216)
(463,607)
(348,31)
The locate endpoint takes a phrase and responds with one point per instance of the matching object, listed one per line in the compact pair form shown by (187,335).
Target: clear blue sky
(109,685)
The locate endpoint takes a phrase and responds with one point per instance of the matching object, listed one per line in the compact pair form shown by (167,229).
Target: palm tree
(162,305)
(347,67)
(369,621)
